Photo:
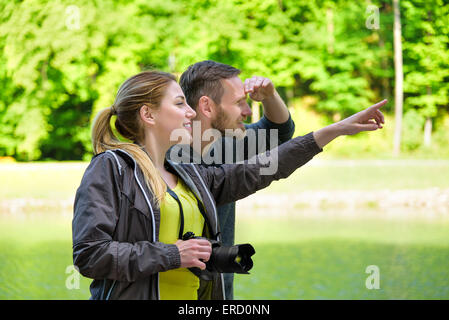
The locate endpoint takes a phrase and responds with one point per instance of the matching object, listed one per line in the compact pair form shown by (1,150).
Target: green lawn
(327,259)
(335,269)
(34,255)
(45,180)
(302,257)
(295,259)
(60,180)
(364,175)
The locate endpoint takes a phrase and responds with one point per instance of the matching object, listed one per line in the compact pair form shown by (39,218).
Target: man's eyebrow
(241,98)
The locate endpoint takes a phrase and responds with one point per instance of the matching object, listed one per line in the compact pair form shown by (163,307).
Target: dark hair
(203,79)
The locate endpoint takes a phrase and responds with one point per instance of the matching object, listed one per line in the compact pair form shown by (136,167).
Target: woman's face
(174,117)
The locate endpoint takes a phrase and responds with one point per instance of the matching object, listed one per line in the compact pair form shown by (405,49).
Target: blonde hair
(145,88)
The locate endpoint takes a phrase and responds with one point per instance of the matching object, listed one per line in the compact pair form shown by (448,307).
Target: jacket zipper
(151,210)
(113,283)
(152,219)
(216,219)
(110,289)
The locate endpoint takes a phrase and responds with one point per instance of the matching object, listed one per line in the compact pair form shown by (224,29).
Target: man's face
(233,108)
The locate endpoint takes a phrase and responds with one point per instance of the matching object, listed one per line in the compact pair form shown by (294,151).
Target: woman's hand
(194,252)
(369,119)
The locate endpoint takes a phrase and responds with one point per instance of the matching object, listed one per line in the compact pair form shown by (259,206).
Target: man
(219,97)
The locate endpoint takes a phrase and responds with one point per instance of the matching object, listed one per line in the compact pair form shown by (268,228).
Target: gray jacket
(116,222)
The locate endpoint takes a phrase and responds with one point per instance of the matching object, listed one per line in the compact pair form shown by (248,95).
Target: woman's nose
(190,112)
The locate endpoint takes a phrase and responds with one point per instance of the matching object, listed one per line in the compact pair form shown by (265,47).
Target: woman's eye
(180,104)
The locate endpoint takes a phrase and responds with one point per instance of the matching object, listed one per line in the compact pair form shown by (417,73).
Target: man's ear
(147,115)
(206,107)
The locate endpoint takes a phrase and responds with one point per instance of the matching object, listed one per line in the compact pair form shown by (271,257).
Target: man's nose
(247,111)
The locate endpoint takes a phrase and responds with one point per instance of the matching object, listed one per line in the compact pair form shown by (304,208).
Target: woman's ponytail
(128,126)
(102,136)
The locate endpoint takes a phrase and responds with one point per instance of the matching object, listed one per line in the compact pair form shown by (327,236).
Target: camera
(234,259)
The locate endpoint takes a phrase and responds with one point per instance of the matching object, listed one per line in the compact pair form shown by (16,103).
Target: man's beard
(223,122)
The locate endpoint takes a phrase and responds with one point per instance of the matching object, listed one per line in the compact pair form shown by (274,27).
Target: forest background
(61,62)
(366,219)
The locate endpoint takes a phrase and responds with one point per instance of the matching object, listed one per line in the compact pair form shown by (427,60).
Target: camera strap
(181,212)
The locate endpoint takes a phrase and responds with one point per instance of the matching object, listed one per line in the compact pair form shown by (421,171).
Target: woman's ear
(147,115)
(206,107)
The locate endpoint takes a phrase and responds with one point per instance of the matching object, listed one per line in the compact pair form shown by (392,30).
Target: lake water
(305,254)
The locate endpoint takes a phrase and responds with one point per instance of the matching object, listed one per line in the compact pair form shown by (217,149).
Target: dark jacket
(247,148)
(226,212)
(116,222)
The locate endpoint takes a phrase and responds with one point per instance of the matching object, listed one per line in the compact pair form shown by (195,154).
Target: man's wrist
(275,109)
(271,98)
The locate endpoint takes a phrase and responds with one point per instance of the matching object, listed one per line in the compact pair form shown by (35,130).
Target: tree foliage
(62,61)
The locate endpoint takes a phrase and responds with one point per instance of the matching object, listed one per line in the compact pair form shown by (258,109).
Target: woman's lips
(188,126)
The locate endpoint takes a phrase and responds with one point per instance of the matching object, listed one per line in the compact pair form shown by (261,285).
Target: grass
(38,271)
(327,258)
(295,259)
(383,231)
(335,269)
(301,257)
(341,176)
(60,181)
(34,255)
(45,180)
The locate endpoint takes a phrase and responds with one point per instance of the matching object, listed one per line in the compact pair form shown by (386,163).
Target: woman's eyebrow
(182,97)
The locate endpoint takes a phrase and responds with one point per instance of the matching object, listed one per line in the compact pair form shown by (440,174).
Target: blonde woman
(133,205)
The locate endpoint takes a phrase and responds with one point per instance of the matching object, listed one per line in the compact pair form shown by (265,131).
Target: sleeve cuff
(272,125)
(310,144)
(265,123)
(174,258)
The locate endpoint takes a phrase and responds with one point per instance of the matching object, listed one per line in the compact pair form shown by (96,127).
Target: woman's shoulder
(107,165)
(120,158)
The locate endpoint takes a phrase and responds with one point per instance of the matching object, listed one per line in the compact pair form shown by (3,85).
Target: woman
(127,225)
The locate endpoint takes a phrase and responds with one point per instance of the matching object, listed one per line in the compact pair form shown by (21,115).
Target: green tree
(426,59)
(66,60)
